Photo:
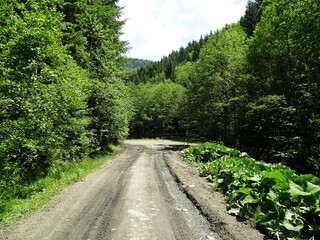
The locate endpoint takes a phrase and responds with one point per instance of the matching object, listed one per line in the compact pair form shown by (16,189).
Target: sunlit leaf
(296,190)
(312,188)
(293,222)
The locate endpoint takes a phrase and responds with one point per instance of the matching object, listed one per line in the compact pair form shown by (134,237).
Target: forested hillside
(62,96)
(67,94)
(253,85)
(135,64)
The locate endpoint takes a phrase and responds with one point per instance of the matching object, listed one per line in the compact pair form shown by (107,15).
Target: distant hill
(135,63)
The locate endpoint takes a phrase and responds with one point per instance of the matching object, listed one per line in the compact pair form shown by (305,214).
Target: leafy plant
(277,200)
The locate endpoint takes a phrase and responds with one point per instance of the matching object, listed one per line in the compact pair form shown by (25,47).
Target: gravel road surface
(134,196)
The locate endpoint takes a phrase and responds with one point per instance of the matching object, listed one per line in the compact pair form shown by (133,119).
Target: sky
(154,28)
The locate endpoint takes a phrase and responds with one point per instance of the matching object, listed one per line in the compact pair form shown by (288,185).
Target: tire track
(131,197)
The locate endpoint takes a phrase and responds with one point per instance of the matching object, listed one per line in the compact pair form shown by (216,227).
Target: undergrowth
(275,198)
(16,200)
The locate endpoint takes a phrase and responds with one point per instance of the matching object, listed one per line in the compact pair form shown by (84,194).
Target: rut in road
(131,197)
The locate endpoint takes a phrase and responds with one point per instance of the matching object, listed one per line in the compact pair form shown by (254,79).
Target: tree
(268,129)
(183,73)
(215,92)
(156,108)
(251,16)
(168,64)
(283,58)
(42,93)
(134,63)
(62,96)
(92,37)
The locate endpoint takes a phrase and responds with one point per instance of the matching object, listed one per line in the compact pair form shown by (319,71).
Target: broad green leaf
(292,227)
(292,221)
(273,195)
(244,190)
(250,199)
(255,178)
(220,180)
(276,174)
(296,190)
(312,188)
(280,177)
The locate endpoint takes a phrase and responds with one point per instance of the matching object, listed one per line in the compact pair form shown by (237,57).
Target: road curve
(131,197)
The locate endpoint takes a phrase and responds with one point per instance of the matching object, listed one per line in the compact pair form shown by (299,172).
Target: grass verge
(20,200)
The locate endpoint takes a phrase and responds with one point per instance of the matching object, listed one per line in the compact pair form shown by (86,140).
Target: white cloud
(156,27)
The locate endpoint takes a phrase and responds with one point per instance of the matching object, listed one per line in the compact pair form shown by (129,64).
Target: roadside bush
(280,202)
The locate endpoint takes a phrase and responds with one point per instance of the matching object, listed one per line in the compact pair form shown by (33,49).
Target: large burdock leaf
(297,190)
(246,191)
(292,221)
(312,188)
(250,199)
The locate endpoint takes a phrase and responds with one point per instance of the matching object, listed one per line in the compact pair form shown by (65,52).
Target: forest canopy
(65,95)
(253,84)
(62,94)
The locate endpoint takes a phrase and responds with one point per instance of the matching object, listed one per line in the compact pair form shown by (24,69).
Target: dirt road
(133,196)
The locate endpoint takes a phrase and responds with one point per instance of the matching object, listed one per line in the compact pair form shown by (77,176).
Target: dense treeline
(61,93)
(253,84)
(156,108)
(158,92)
(168,63)
(135,63)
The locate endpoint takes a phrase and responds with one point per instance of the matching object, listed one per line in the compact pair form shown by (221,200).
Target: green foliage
(283,60)
(253,84)
(42,94)
(270,129)
(184,73)
(135,64)
(208,151)
(110,112)
(274,197)
(215,95)
(16,200)
(260,93)
(58,61)
(92,36)
(156,108)
(151,119)
(168,64)
(251,16)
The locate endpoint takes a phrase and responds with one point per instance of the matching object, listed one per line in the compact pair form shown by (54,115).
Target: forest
(252,85)
(62,93)
(65,94)
(135,63)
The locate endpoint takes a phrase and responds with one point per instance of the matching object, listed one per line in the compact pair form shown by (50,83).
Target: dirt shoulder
(210,203)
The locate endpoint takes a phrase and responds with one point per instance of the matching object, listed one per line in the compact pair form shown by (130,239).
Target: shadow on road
(174,148)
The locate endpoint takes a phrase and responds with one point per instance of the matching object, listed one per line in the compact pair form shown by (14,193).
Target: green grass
(20,200)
